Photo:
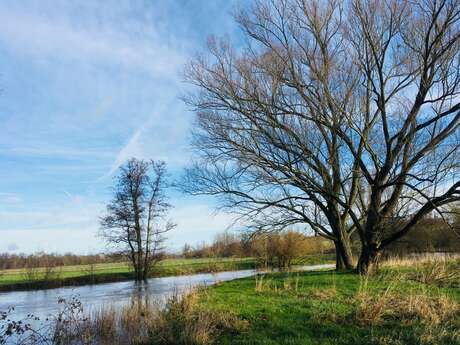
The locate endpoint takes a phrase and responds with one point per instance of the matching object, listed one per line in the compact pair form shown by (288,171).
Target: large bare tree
(136,220)
(341,115)
(404,130)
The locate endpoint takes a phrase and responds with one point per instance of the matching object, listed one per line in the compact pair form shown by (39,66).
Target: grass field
(98,273)
(404,305)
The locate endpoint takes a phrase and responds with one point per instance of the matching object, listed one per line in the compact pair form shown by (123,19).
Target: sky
(84,86)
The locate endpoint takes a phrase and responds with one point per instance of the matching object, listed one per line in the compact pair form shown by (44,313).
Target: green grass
(318,308)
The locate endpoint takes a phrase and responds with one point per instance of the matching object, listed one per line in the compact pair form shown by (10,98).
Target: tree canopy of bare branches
(136,220)
(341,115)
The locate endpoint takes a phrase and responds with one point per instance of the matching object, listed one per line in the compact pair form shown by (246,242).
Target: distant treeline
(430,235)
(279,249)
(16,261)
(273,249)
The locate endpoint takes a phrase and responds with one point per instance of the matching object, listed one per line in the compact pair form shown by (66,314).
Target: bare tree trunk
(368,259)
(342,243)
(343,255)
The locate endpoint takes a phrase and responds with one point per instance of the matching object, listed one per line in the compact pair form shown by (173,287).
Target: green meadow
(404,305)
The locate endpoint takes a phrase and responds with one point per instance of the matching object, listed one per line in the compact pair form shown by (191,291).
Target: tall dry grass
(419,259)
(264,284)
(433,315)
(416,305)
(182,321)
(442,270)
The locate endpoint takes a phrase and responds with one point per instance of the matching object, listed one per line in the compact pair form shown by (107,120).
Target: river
(43,303)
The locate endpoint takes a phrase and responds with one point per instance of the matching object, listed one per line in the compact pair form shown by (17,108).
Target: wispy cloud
(59,38)
(43,151)
(131,149)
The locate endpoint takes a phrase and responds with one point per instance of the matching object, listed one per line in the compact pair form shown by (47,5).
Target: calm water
(43,303)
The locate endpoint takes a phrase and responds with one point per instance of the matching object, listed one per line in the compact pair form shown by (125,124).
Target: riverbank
(43,278)
(415,304)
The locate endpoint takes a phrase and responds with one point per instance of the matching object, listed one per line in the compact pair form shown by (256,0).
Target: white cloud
(160,137)
(62,240)
(131,149)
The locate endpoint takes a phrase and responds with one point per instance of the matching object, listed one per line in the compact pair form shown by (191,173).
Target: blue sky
(86,85)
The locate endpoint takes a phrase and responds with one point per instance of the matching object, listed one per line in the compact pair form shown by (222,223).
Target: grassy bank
(401,305)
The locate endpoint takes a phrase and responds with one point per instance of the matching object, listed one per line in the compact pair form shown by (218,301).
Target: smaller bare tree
(136,220)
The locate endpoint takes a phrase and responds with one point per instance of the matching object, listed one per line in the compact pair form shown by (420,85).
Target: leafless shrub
(20,332)
(71,325)
(31,270)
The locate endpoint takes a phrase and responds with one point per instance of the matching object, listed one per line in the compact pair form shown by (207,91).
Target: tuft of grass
(439,273)
(324,294)
(181,322)
(184,322)
(289,283)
